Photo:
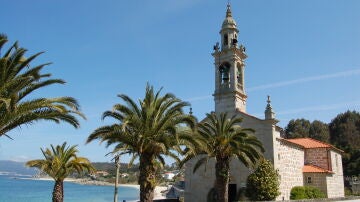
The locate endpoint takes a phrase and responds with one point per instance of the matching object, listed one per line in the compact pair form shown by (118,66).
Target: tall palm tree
(59,163)
(222,138)
(149,130)
(17,81)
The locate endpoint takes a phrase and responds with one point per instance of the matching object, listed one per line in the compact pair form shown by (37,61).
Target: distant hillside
(20,168)
(16,168)
(110,167)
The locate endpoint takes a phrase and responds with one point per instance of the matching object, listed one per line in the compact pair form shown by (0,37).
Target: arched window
(224,70)
(240,76)
(226,40)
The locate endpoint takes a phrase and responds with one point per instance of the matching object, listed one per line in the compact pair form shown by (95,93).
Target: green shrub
(347,191)
(263,183)
(305,192)
(313,192)
(298,193)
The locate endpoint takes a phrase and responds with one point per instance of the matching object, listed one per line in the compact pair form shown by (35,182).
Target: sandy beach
(157,192)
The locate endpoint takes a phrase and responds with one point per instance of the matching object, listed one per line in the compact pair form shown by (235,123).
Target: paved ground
(349,200)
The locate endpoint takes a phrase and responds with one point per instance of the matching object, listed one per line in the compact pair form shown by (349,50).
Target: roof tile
(314,169)
(309,143)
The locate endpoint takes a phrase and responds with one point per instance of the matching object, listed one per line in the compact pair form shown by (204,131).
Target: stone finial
(229,22)
(228,11)
(269,113)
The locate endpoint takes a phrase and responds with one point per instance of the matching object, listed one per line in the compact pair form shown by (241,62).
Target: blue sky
(305,54)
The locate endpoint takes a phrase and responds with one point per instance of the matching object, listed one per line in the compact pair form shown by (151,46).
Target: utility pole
(117,164)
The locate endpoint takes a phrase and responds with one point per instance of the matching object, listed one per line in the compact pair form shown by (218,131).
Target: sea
(24,189)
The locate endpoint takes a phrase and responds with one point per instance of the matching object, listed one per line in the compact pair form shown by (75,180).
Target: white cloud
(291,82)
(306,79)
(321,108)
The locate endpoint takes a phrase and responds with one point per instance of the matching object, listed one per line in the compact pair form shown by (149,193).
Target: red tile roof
(314,169)
(309,143)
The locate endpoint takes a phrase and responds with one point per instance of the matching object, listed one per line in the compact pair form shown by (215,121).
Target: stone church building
(300,162)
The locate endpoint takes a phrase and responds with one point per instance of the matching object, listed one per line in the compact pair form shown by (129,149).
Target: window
(239,76)
(279,157)
(309,180)
(226,40)
(224,70)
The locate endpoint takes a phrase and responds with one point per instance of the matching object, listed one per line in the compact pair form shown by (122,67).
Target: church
(300,162)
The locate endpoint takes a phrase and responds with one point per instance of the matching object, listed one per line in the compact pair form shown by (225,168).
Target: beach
(157,192)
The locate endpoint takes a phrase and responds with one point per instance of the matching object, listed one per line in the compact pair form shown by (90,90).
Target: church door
(232,192)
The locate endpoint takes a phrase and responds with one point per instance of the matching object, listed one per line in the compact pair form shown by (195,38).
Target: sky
(304,54)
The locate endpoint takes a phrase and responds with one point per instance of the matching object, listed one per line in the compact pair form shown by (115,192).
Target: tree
(59,163)
(345,134)
(149,131)
(222,138)
(297,128)
(302,128)
(263,184)
(18,80)
(345,130)
(319,131)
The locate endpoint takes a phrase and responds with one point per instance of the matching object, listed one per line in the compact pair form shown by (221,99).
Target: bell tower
(229,64)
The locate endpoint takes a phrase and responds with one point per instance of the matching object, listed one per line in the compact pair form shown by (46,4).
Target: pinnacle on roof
(268,106)
(269,113)
(229,21)
(228,11)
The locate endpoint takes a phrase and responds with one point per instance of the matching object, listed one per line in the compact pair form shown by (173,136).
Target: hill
(110,167)
(17,168)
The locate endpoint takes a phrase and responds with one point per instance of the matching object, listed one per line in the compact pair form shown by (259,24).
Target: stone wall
(264,131)
(317,180)
(290,161)
(318,157)
(198,185)
(335,182)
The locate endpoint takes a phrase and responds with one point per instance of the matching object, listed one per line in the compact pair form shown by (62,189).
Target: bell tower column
(229,64)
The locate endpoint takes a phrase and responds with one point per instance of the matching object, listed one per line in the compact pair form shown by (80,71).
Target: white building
(168,175)
(300,162)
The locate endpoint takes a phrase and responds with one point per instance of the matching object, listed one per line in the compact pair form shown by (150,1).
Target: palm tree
(149,131)
(222,138)
(17,81)
(59,163)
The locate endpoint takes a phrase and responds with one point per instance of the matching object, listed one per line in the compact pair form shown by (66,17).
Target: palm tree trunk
(58,192)
(222,168)
(117,164)
(146,179)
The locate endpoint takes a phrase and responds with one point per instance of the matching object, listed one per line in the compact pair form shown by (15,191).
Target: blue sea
(16,189)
